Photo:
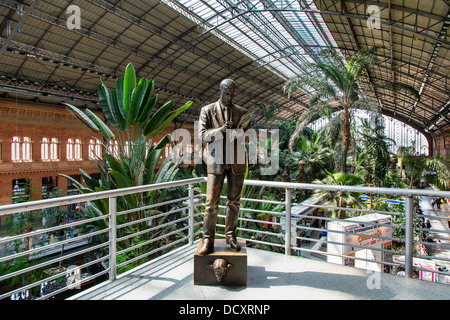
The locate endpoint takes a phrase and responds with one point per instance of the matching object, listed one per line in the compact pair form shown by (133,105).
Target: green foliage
(373,158)
(440,172)
(339,198)
(334,82)
(131,111)
(315,155)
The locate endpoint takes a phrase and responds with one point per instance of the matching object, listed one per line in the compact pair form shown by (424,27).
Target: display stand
(222,267)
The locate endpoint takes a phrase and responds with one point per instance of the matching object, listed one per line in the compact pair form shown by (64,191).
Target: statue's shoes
(207,247)
(234,244)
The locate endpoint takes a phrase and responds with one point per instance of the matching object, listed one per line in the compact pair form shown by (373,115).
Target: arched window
(54,150)
(77,150)
(26,149)
(15,149)
(44,149)
(69,150)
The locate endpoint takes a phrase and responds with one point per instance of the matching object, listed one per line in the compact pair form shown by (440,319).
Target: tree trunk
(342,204)
(345,136)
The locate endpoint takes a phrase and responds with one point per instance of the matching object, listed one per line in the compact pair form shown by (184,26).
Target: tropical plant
(335,84)
(131,154)
(315,155)
(374,158)
(340,199)
(268,114)
(435,170)
(414,166)
(440,177)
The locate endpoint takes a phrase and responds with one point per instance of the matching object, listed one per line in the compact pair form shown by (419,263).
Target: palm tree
(339,198)
(313,153)
(441,168)
(374,158)
(335,84)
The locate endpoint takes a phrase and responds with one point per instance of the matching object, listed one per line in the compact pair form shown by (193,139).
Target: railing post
(288,221)
(112,238)
(191,214)
(409,237)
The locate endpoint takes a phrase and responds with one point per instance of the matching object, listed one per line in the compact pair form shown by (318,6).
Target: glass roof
(280,35)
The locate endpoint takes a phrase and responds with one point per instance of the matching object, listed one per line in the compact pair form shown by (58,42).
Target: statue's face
(227,95)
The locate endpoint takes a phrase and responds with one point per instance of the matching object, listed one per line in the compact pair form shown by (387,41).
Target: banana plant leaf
(104,129)
(82,117)
(137,101)
(129,84)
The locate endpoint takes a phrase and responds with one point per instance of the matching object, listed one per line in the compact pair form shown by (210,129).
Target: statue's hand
(227,125)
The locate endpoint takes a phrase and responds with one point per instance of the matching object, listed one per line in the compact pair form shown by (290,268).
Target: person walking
(427,224)
(433,203)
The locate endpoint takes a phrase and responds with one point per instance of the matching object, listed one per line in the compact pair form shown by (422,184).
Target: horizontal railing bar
(152,252)
(353,234)
(427,216)
(353,221)
(255,200)
(34,284)
(434,271)
(149,218)
(433,244)
(431,230)
(53,202)
(155,205)
(253,220)
(421,256)
(13,274)
(350,245)
(344,256)
(152,229)
(279,235)
(151,240)
(255,210)
(260,221)
(48,230)
(354,209)
(52,245)
(263,242)
(75,284)
(263,201)
(395,191)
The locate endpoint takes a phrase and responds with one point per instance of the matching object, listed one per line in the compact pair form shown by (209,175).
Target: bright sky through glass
(278,40)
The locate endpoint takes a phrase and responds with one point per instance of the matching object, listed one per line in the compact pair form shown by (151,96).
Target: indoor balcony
(295,251)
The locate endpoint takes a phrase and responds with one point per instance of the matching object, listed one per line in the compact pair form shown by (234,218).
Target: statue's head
(220,268)
(227,90)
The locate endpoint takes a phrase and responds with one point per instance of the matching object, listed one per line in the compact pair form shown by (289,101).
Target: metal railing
(108,248)
(259,227)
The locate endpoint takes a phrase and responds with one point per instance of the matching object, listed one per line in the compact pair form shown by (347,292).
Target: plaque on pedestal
(222,267)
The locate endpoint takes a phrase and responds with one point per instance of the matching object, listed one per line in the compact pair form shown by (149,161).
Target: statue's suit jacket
(211,120)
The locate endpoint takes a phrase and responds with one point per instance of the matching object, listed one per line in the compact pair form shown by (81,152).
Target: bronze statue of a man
(215,120)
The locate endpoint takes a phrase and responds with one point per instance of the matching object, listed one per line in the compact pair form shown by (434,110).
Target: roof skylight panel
(259,34)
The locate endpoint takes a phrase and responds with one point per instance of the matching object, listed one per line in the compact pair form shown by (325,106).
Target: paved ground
(271,276)
(439,227)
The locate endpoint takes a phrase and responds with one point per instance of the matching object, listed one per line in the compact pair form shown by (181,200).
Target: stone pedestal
(222,267)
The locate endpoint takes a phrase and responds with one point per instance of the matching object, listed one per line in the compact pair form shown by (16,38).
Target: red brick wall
(38,121)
